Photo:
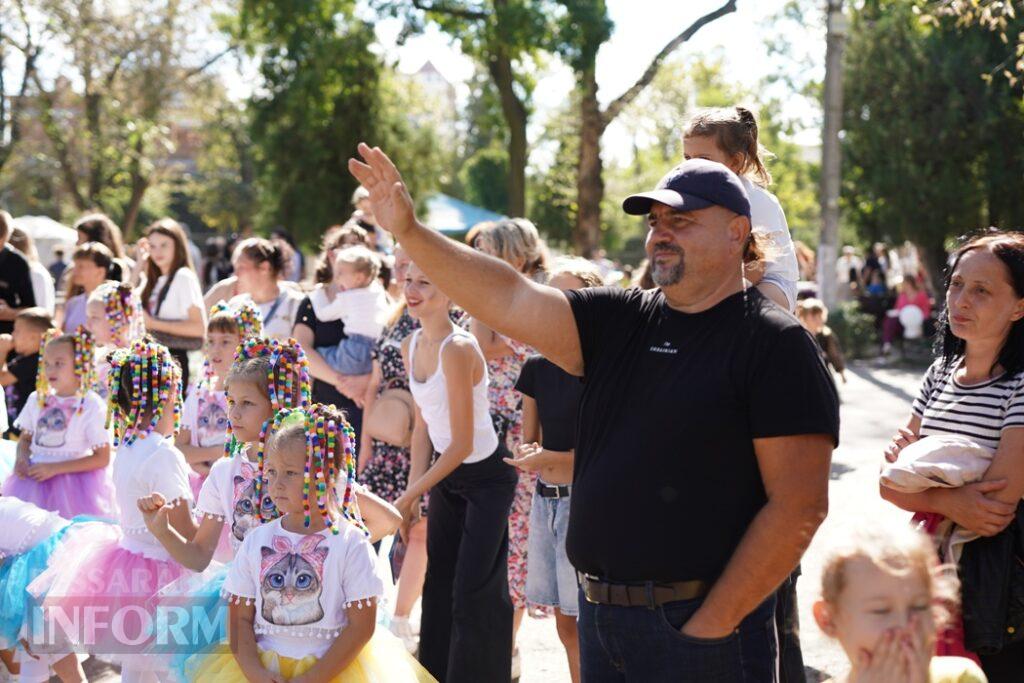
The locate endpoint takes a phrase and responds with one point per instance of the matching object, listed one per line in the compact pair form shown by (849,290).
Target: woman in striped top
(976,389)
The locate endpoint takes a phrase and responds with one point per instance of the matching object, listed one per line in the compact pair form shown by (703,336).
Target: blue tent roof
(450,215)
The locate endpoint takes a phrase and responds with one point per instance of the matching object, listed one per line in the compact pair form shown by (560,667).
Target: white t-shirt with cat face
(205,416)
(59,431)
(229,495)
(302,584)
(24,525)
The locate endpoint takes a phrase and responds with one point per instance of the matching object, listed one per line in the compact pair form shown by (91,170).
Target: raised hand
(155,513)
(392,205)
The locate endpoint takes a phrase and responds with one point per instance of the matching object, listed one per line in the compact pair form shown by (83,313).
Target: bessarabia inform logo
(665,348)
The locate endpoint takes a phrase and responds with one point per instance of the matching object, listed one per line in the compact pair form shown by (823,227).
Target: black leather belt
(547,491)
(648,594)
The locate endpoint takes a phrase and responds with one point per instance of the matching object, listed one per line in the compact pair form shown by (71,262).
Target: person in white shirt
(729,136)
(260,266)
(848,269)
(42,280)
(362,306)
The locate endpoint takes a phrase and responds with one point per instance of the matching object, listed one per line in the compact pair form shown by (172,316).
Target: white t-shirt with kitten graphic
(205,416)
(302,584)
(59,431)
(229,495)
(24,525)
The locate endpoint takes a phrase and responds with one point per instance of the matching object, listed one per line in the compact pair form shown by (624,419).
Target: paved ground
(875,401)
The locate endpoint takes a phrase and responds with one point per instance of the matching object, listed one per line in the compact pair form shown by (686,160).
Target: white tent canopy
(47,234)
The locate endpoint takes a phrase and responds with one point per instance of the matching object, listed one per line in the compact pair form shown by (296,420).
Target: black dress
(328,333)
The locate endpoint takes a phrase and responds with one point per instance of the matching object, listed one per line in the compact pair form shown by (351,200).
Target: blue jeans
(351,356)
(623,644)
(550,578)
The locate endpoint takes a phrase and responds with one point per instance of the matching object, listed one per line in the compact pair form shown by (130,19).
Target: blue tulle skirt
(17,572)
(194,602)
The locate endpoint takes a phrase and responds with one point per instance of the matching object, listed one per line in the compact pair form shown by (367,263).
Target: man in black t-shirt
(705,432)
(15,281)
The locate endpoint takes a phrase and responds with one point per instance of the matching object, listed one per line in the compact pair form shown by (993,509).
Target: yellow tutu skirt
(383,660)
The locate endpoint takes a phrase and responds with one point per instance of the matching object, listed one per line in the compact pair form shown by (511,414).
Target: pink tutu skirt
(100,597)
(69,495)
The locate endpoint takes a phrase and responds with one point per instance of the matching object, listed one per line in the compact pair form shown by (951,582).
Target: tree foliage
(931,150)
(322,91)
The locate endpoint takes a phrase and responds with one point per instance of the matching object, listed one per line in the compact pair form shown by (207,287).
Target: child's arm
(98,459)
(345,648)
(194,551)
(381,517)
(369,398)
(196,455)
(21,462)
(242,636)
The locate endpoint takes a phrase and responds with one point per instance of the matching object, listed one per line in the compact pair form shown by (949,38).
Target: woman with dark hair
(260,265)
(171,297)
(975,389)
(99,227)
(91,265)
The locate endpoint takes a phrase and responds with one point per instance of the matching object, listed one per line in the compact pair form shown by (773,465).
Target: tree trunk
(500,67)
(589,181)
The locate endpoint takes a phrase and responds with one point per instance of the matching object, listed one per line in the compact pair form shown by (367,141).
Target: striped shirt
(978,411)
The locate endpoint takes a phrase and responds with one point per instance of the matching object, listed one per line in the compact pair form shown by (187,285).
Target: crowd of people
(646,463)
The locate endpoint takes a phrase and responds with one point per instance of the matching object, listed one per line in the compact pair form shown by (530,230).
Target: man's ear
(739,230)
(824,617)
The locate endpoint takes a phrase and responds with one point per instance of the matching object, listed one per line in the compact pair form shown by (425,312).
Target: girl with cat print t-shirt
(64,448)
(303,588)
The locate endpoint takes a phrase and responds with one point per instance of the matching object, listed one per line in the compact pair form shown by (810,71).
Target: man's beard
(664,275)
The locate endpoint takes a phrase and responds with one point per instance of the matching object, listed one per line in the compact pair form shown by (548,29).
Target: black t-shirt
(15,284)
(327,333)
(557,394)
(666,481)
(24,369)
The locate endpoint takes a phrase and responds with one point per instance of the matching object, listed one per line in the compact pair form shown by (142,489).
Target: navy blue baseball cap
(692,185)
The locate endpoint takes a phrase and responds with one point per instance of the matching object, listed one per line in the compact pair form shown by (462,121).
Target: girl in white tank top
(466,628)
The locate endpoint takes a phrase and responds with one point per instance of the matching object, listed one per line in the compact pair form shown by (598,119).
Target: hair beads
(247,321)
(82,349)
(153,380)
(123,310)
(329,439)
(286,371)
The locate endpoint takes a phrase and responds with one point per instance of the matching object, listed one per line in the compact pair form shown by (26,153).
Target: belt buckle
(558,492)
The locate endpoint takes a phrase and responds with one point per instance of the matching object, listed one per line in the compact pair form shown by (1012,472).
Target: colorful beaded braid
(83,349)
(123,309)
(154,376)
(248,319)
(288,386)
(325,428)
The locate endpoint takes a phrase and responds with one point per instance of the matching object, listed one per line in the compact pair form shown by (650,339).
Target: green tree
(323,90)
(224,189)
(930,149)
(581,28)
(504,37)
(482,178)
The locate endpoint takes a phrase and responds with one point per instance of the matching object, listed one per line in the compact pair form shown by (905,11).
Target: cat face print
(291,581)
(246,512)
(51,427)
(211,423)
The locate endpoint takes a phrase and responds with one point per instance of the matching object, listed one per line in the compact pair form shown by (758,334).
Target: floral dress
(507,413)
